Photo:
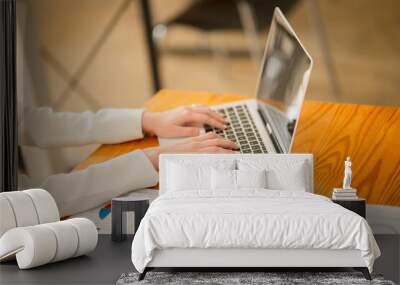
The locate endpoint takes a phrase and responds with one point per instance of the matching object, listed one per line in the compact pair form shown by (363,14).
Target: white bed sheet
(252,218)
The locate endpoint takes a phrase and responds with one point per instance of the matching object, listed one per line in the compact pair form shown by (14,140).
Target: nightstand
(357,205)
(118,208)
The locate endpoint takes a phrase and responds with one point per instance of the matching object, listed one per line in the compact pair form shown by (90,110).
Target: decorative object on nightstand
(356,205)
(347,174)
(347,196)
(119,207)
(344,194)
(347,192)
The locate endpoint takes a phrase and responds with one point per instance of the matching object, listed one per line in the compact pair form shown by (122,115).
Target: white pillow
(182,178)
(280,175)
(187,176)
(223,179)
(293,179)
(237,179)
(251,178)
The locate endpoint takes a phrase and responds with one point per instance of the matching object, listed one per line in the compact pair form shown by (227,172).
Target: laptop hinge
(270,132)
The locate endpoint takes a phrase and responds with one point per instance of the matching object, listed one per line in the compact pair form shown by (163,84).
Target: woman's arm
(82,190)
(44,128)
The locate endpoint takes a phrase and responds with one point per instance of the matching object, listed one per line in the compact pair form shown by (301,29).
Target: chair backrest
(210,159)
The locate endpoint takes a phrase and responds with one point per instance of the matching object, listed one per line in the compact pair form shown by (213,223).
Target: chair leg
(143,274)
(364,271)
(322,41)
(248,22)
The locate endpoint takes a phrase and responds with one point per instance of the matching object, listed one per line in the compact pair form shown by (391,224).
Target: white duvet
(250,219)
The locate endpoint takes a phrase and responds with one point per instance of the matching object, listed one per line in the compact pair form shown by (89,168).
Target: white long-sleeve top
(82,190)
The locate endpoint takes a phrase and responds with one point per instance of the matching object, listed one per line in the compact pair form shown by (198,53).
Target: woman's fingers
(208,141)
(192,117)
(186,131)
(220,142)
(210,112)
(213,139)
(193,135)
(207,136)
(180,122)
(216,149)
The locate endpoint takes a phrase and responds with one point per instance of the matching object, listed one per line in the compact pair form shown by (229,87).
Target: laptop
(266,124)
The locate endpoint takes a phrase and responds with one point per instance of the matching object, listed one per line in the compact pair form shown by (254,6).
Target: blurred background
(78,55)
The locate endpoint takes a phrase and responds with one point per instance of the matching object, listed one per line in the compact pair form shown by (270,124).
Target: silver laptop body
(267,123)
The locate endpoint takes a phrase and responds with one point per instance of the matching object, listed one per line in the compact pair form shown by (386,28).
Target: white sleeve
(83,190)
(45,128)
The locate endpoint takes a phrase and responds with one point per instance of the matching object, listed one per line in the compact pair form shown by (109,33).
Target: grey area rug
(232,278)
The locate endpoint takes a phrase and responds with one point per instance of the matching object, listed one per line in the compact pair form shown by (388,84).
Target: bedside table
(357,206)
(118,218)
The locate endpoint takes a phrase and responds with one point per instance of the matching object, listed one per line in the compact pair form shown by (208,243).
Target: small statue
(347,174)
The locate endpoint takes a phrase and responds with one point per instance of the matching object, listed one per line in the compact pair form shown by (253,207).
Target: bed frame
(248,259)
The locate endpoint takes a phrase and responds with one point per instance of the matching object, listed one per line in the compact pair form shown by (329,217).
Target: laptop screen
(285,71)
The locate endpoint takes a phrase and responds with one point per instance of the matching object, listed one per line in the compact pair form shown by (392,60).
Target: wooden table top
(370,135)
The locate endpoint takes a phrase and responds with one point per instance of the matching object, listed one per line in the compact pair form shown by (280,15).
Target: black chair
(212,15)
(249,16)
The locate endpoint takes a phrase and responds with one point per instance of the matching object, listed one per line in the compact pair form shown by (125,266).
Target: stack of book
(344,194)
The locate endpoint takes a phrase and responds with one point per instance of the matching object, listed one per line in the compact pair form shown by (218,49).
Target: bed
(246,211)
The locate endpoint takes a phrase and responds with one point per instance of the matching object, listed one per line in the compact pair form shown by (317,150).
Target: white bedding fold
(250,218)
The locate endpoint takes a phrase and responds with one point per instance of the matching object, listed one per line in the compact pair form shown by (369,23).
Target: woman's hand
(208,143)
(181,122)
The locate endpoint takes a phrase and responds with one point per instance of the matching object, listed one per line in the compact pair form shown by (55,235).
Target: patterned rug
(243,278)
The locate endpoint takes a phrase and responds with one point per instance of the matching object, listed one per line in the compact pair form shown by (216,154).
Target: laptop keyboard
(241,129)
